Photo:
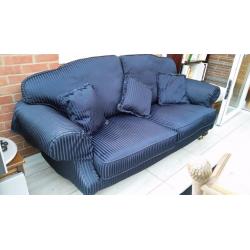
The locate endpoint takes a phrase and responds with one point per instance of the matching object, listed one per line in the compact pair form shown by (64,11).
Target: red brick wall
(219,68)
(13,69)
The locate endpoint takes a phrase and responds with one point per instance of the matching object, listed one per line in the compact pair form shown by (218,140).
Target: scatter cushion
(83,107)
(136,98)
(172,89)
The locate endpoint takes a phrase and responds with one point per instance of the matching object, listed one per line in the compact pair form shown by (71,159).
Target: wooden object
(217,106)
(219,168)
(177,59)
(204,180)
(15,166)
(200,171)
(214,190)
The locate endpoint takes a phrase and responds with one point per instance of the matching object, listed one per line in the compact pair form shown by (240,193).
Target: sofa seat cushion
(185,119)
(127,141)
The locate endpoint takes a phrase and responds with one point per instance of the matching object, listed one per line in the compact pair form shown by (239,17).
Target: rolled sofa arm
(202,93)
(51,132)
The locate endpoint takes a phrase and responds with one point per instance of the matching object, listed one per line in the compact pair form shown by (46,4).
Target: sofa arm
(51,132)
(202,93)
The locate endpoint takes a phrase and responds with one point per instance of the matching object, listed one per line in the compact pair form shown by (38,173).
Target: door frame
(245,92)
(223,116)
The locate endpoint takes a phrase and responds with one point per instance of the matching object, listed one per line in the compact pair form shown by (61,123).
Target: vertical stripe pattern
(126,144)
(51,132)
(136,98)
(104,73)
(146,69)
(127,141)
(185,119)
(202,93)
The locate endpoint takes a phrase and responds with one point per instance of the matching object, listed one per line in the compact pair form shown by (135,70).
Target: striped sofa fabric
(125,144)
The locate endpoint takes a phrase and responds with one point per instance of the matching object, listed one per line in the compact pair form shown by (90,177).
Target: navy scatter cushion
(136,98)
(83,107)
(172,89)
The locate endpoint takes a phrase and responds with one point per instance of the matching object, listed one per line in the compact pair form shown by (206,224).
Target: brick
(219,67)
(46,58)
(10,89)
(2,126)
(13,79)
(33,68)
(53,65)
(227,61)
(5,99)
(17,97)
(3,80)
(7,125)
(17,59)
(9,70)
(7,134)
(6,116)
(7,108)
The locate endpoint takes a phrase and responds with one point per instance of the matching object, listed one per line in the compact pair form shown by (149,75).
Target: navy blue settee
(125,144)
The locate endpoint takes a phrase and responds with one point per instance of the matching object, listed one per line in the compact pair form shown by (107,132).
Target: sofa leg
(203,135)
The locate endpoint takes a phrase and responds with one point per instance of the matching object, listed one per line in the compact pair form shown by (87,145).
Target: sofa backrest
(146,68)
(104,72)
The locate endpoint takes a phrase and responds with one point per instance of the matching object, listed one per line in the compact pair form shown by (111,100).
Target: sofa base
(87,180)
